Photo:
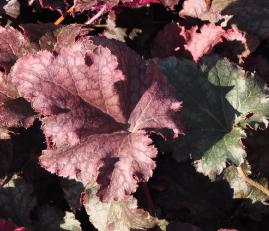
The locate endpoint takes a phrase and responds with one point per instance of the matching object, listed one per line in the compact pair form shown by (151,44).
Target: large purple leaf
(97,108)
(121,158)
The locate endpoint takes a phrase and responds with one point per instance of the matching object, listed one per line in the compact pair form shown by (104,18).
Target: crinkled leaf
(247,15)
(53,219)
(12,46)
(48,36)
(59,5)
(125,159)
(17,201)
(14,111)
(68,117)
(201,9)
(175,40)
(219,100)
(228,149)
(10,8)
(42,34)
(83,5)
(241,188)
(199,44)
(116,216)
(70,223)
(95,88)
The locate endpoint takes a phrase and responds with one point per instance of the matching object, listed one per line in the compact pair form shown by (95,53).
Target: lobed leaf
(220,99)
(247,15)
(194,43)
(99,111)
(84,5)
(12,46)
(116,216)
(241,188)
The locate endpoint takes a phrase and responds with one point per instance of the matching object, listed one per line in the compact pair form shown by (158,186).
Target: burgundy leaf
(156,109)
(122,159)
(47,36)
(12,46)
(83,5)
(176,40)
(59,5)
(246,15)
(70,118)
(167,41)
(14,111)
(86,94)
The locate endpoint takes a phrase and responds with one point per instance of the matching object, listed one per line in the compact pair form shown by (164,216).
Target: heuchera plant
(101,117)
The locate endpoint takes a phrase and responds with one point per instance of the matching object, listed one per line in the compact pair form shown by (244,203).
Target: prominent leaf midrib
(101,91)
(50,80)
(141,114)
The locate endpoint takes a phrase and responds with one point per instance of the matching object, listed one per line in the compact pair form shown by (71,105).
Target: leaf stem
(99,14)
(252,182)
(59,20)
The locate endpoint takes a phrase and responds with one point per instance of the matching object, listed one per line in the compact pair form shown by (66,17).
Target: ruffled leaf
(117,216)
(14,111)
(241,188)
(83,5)
(12,46)
(220,99)
(11,8)
(59,5)
(247,15)
(194,43)
(103,102)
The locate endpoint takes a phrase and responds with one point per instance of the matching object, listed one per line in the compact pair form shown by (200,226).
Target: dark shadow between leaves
(207,116)
(180,194)
(105,172)
(250,16)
